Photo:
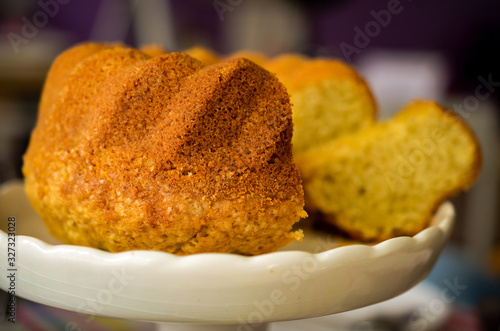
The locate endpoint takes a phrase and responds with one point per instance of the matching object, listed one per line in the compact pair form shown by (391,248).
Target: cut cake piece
(329,98)
(388,179)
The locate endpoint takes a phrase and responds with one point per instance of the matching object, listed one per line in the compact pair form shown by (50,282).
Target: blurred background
(446,51)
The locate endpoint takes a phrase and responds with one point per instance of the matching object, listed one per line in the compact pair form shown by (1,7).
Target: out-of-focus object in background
(16,122)
(271,27)
(477,221)
(396,77)
(153,23)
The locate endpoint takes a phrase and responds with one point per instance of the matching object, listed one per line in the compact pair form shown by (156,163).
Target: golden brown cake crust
(62,66)
(168,154)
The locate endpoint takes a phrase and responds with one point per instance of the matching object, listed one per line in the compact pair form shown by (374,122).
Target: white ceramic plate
(213,288)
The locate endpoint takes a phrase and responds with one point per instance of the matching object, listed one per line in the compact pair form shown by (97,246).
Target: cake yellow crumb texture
(329,98)
(388,179)
(164,153)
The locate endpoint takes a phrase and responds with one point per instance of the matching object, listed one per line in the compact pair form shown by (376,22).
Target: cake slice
(388,179)
(329,98)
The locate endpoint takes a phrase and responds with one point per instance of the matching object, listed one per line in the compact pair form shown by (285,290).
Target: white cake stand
(313,278)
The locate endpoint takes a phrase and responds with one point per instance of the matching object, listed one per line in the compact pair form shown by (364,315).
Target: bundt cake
(163,153)
(389,178)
